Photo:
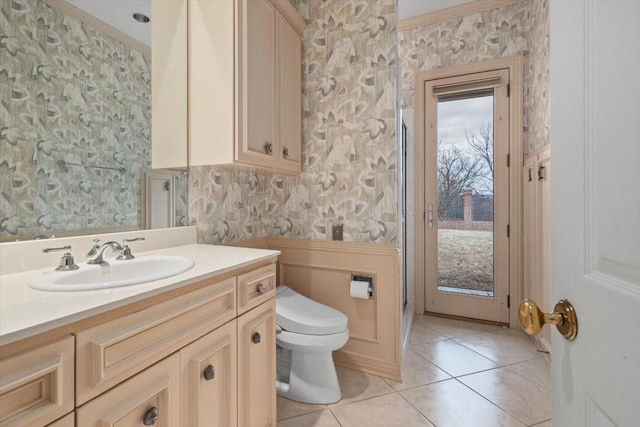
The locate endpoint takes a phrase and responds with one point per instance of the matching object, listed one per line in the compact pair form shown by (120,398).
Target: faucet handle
(62,248)
(66,262)
(125,241)
(126,251)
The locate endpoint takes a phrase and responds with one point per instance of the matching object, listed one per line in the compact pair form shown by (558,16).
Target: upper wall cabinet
(169,84)
(245,84)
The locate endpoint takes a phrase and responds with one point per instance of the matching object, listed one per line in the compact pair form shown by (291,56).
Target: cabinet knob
(151,416)
(285,152)
(209,373)
(268,149)
(255,338)
(262,288)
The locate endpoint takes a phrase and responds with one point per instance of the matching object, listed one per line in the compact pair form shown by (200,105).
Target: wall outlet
(336,231)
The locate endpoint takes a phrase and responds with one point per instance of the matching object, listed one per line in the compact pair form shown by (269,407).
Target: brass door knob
(564,317)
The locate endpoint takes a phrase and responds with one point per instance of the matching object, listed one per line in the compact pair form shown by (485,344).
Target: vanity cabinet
(151,397)
(245,72)
(209,379)
(36,387)
(198,357)
(256,366)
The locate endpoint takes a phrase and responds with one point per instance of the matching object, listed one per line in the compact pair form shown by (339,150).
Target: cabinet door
(150,398)
(289,90)
(208,369)
(36,387)
(257,367)
(256,89)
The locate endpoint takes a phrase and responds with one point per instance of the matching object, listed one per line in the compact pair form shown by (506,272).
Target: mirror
(76,118)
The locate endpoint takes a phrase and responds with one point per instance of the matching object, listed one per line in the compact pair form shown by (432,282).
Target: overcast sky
(456,117)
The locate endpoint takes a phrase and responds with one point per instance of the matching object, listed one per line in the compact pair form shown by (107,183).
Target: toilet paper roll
(359,289)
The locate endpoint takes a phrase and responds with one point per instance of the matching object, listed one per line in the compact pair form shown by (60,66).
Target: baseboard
(358,362)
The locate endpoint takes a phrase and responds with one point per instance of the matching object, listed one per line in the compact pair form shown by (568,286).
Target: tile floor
(456,374)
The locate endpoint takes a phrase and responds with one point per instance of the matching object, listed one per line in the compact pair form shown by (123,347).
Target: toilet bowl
(307,333)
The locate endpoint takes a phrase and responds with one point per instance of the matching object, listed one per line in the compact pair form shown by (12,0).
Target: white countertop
(25,312)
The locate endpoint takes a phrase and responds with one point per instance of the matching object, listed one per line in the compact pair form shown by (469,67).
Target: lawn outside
(465,259)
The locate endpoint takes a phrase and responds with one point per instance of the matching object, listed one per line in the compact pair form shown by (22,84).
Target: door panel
(257,65)
(467,195)
(595,264)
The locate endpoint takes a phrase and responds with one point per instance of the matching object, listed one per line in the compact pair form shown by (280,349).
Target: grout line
(493,403)
(335,417)
(417,410)
(338,405)
(541,422)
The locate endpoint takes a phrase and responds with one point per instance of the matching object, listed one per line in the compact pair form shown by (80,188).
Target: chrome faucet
(95,255)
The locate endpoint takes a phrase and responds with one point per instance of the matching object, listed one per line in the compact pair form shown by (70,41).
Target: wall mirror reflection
(76,120)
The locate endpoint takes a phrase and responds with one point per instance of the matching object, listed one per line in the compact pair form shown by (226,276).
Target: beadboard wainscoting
(321,270)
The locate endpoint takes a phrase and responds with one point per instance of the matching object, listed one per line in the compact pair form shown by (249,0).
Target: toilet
(307,333)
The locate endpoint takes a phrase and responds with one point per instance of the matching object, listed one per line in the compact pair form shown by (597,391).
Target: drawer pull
(255,338)
(151,417)
(262,288)
(209,373)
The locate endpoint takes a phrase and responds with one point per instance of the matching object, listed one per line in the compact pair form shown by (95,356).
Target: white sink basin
(114,274)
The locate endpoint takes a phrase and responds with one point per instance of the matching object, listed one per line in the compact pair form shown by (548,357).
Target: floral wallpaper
(68,92)
(521,28)
(349,140)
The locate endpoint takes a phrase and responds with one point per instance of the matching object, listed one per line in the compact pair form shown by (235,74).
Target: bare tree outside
(457,170)
(480,143)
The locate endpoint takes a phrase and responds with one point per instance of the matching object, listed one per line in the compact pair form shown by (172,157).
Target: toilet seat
(298,314)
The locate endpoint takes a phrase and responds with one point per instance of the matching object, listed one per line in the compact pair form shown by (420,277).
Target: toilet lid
(299,314)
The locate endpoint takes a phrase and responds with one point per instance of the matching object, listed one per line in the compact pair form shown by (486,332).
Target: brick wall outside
(467,223)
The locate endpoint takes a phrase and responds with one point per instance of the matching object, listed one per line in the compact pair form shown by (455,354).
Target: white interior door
(595,140)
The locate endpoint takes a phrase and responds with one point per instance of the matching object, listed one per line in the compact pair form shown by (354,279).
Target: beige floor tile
(453,358)
(537,370)
(525,400)
(505,346)
(356,386)
(317,419)
(289,408)
(385,411)
(452,328)
(418,371)
(451,404)
(421,333)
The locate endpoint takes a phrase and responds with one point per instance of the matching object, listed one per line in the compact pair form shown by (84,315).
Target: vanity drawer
(115,350)
(153,394)
(36,387)
(256,287)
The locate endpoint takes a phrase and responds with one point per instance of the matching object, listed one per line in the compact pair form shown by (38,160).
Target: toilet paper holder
(368,279)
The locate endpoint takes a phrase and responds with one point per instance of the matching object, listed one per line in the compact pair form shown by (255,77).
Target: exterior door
(467,195)
(595,143)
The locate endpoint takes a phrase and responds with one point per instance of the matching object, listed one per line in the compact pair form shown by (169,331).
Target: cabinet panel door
(257,367)
(152,395)
(256,62)
(208,369)
(36,387)
(289,90)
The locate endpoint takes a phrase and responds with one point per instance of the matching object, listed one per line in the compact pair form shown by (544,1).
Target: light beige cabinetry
(537,234)
(36,387)
(183,360)
(256,373)
(151,397)
(245,84)
(209,379)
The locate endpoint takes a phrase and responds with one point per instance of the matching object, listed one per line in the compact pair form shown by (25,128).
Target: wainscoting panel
(321,270)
